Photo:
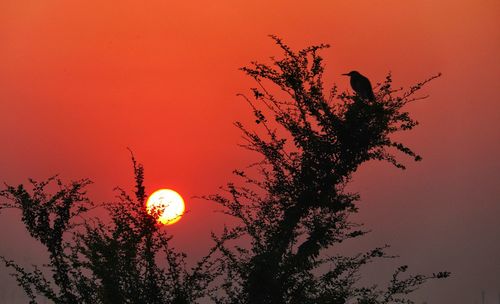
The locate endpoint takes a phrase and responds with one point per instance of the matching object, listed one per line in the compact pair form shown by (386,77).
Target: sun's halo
(167,205)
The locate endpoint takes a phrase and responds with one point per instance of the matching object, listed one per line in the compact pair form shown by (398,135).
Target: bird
(361,85)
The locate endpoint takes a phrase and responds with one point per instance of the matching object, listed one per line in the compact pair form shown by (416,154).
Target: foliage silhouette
(297,206)
(95,262)
(293,209)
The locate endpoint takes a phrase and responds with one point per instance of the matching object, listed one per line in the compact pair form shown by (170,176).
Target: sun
(167,205)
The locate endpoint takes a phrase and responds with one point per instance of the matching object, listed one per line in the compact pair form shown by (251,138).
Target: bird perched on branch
(361,85)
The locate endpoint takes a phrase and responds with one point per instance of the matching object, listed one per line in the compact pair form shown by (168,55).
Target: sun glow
(167,205)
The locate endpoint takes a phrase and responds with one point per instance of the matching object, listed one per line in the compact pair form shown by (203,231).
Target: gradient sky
(82,80)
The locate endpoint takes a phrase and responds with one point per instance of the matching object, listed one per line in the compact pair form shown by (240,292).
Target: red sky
(82,80)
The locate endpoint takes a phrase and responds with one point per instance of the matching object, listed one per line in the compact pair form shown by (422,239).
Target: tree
(128,260)
(294,207)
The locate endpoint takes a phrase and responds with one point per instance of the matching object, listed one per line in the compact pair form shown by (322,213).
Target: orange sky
(82,80)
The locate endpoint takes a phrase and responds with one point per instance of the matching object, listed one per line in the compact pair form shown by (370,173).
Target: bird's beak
(347,74)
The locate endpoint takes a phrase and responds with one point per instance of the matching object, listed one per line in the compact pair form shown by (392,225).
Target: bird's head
(352,74)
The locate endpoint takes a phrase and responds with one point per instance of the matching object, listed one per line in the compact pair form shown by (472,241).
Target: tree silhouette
(128,260)
(292,207)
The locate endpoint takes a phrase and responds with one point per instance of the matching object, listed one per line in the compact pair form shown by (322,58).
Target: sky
(80,81)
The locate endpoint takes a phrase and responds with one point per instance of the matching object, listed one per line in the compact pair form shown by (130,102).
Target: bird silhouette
(361,85)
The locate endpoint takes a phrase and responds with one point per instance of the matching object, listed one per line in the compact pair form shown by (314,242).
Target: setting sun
(167,204)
